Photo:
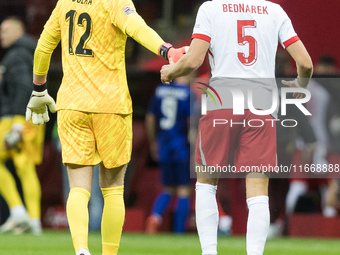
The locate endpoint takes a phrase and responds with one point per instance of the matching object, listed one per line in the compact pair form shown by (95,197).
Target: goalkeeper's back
(93,37)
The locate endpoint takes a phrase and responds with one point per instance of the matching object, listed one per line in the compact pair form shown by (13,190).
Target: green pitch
(59,243)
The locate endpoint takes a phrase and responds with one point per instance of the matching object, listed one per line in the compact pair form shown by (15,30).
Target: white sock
(296,189)
(18,211)
(258,224)
(207,217)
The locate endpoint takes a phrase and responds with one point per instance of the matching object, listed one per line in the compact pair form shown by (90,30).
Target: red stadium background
(317,23)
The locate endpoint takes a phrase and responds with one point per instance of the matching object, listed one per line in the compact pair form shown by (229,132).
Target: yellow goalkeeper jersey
(93,42)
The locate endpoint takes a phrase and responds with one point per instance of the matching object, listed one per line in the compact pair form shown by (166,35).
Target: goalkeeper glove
(168,52)
(37,106)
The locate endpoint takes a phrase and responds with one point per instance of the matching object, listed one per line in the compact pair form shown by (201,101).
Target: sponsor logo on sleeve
(129,10)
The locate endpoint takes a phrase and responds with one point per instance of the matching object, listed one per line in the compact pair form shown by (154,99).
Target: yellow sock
(30,183)
(8,187)
(113,219)
(78,217)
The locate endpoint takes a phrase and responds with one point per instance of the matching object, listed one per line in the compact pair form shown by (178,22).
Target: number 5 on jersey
(81,49)
(242,39)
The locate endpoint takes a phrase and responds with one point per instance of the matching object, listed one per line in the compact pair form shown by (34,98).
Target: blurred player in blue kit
(167,124)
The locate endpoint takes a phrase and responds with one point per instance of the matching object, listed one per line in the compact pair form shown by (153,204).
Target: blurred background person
(167,125)
(286,147)
(19,140)
(332,196)
(327,67)
(319,107)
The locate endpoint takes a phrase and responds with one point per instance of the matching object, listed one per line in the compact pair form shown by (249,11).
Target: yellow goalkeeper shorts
(32,139)
(91,138)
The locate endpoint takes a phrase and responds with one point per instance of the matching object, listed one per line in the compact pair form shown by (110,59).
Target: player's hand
(37,106)
(165,78)
(176,54)
(294,84)
(168,52)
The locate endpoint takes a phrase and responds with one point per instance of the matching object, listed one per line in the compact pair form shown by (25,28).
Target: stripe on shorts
(201,152)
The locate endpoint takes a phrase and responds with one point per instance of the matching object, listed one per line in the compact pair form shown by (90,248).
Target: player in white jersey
(241,37)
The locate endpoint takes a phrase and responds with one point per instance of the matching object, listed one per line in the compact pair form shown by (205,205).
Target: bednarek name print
(83,1)
(245,8)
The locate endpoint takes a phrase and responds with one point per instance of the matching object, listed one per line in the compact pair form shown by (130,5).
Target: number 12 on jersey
(81,49)
(243,39)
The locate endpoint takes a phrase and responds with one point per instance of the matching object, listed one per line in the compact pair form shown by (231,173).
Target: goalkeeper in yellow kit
(93,104)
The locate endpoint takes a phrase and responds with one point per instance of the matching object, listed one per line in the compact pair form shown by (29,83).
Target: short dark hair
(327,60)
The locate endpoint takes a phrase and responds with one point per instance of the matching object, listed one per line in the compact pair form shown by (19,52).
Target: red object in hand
(168,52)
(176,54)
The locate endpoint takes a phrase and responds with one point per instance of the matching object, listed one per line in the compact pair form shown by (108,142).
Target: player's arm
(22,83)
(305,130)
(292,43)
(303,62)
(146,36)
(40,99)
(150,124)
(20,72)
(192,60)
(304,67)
(48,41)
(124,16)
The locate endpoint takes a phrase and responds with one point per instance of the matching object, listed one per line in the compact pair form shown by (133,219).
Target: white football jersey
(243,36)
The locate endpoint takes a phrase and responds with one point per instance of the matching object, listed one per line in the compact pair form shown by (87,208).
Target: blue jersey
(171,107)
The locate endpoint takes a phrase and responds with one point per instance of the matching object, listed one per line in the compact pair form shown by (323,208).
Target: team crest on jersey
(129,10)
